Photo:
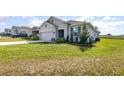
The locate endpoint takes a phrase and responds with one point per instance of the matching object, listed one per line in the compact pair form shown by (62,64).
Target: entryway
(61,33)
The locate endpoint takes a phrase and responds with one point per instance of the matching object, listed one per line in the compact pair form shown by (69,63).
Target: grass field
(9,39)
(113,37)
(106,58)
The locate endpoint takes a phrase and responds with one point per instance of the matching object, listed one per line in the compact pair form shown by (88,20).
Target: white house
(55,28)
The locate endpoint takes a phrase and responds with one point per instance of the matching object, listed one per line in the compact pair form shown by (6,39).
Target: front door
(61,33)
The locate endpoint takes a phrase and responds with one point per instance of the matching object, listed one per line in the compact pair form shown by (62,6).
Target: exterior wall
(91,31)
(75,30)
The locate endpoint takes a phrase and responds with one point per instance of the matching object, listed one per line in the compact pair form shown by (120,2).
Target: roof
(56,19)
(73,22)
(25,27)
(35,28)
(76,23)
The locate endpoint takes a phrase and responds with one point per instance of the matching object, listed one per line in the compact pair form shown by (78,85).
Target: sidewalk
(19,42)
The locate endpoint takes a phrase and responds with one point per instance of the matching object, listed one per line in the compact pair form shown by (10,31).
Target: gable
(57,22)
(54,20)
(46,27)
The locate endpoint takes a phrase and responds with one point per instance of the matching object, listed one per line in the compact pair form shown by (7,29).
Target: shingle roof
(25,27)
(76,23)
(73,22)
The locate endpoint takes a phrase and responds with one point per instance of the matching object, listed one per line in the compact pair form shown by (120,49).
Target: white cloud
(2,18)
(35,22)
(108,25)
(3,23)
(87,18)
(106,18)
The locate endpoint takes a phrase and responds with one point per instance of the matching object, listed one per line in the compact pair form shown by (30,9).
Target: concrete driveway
(19,42)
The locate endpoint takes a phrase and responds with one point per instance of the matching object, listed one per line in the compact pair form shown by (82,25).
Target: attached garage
(47,36)
(47,32)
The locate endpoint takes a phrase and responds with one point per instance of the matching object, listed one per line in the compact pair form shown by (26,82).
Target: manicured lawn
(106,58)
(9,39)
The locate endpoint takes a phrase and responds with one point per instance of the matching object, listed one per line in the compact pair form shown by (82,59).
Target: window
(75,29)
(75,33)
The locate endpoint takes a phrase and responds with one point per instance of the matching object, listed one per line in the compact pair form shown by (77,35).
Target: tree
(84,35)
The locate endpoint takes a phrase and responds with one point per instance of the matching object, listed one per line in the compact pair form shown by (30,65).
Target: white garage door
(47,36)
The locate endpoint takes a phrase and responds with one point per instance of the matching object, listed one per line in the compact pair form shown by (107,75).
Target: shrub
(32,37)
(60,40)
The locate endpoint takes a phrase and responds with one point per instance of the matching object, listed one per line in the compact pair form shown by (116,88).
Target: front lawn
(106,58)
(9,39)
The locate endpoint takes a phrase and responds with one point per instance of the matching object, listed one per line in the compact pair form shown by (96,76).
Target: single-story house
(55,28)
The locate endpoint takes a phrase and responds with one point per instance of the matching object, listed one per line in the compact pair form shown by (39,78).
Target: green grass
(113,37)
(9,39)
(106,58)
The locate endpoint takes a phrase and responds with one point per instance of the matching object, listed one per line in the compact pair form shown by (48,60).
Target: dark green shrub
(60,40)
(32,37)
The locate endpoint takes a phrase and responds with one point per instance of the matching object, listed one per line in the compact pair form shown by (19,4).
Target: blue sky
(106,24)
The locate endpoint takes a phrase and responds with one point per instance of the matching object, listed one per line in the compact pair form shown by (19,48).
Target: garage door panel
(46,37)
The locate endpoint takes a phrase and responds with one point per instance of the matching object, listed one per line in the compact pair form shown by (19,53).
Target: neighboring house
(15,30)
(55,28)
(25,30)
(7,31)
